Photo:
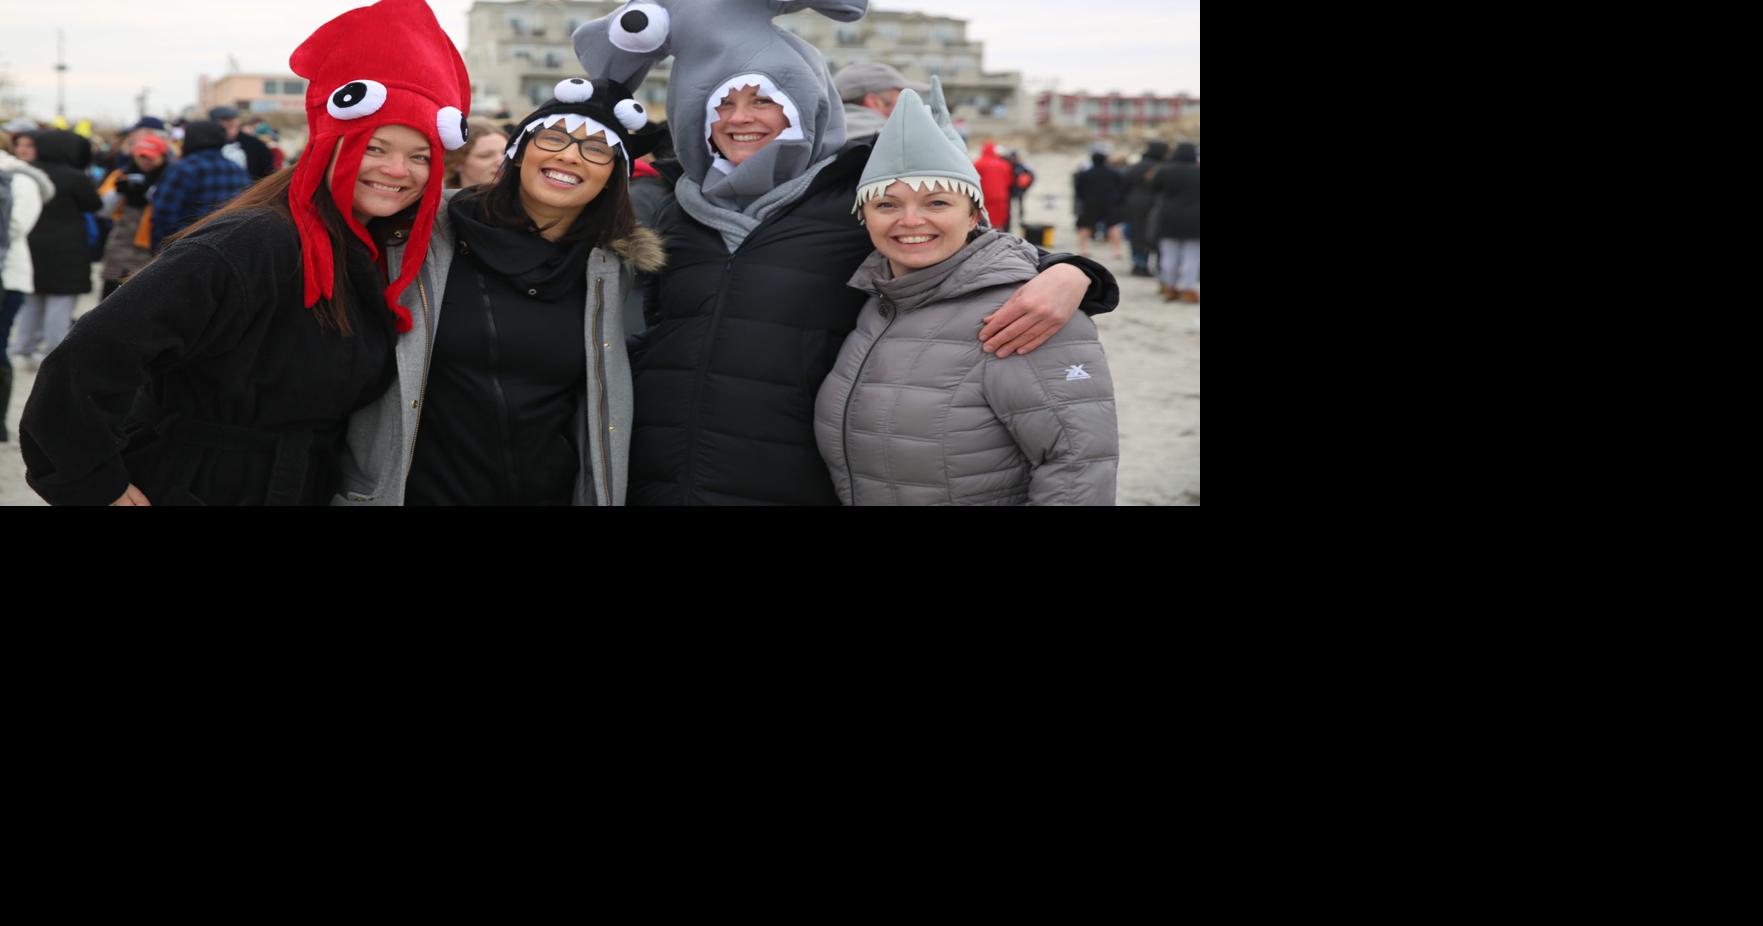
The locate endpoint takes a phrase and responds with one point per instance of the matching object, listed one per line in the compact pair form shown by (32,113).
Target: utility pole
(60,73)
(141,101)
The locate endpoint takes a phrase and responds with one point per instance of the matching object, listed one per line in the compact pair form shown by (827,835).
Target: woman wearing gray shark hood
(914,413)
(752,310)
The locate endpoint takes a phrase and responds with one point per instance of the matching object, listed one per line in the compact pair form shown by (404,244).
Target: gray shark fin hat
(920,148)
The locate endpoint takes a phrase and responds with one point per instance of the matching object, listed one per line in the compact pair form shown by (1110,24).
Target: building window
(293,88)
(850,35)
(272,88)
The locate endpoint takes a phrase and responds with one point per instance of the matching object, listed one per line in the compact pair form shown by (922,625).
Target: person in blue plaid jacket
(202,182)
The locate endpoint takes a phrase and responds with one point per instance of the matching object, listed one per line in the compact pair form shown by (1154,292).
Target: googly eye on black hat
(573,90)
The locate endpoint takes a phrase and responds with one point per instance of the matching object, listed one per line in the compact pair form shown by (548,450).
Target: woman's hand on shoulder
(132,497)
(1035,312)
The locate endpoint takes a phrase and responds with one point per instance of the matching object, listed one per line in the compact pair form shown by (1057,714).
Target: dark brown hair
(606,219)
(272,193)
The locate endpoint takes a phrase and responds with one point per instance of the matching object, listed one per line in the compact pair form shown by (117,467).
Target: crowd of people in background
(738,216)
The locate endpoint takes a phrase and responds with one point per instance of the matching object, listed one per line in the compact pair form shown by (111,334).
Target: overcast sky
(117,47)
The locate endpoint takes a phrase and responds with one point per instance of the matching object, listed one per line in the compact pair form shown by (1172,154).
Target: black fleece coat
(1140,197)
(203,380)
(60,259)
(738,344)
(1099,193)
(1178,191)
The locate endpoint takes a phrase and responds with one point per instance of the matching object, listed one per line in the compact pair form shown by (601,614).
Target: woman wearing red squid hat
(223,372)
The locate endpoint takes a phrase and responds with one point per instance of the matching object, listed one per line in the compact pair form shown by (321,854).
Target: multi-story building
(516,52)
(252,93)
(1114,114)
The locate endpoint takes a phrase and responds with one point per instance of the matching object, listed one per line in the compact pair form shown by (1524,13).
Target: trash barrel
(1038,234)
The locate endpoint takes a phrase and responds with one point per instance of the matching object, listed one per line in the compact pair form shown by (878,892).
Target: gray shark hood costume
(718,47)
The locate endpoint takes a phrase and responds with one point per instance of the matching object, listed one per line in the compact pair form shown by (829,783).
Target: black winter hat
(602,105)
(202,135)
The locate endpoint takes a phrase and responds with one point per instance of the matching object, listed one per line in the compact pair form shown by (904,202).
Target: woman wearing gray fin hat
(750,314)
(913,412)
(515,388)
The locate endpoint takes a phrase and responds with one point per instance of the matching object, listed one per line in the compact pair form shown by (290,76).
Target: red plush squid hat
(386,64)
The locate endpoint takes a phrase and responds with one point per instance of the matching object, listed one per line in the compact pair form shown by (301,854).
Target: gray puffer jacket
(382,436)
(915,413)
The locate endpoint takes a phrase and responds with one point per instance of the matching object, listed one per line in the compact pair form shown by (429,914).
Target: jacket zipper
(504,415)
(428,349)
(600,369)
(856,378)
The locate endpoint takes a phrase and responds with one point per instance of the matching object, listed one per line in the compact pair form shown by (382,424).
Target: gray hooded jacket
(915,413)
(382,436)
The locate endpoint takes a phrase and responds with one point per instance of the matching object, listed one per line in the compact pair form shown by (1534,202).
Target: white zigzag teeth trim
(792,132)
(920,184)
(571,122)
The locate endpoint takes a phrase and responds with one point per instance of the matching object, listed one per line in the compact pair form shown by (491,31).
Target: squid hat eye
(639,28)
(631,115)
(573,90)
(450,125)
(356,99)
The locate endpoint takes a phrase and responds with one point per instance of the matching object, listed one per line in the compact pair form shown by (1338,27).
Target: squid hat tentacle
(385,64)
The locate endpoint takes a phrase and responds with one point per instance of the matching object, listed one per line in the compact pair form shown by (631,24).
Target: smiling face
(914,230)
(555,186)
(483,160)
(394,171)
(746,122)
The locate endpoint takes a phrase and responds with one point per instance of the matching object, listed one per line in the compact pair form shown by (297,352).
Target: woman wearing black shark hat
(515,388)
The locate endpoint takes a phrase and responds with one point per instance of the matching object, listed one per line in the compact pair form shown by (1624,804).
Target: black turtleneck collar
(522,257)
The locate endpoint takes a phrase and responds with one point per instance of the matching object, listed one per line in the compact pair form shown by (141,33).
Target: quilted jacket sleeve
(1058,403)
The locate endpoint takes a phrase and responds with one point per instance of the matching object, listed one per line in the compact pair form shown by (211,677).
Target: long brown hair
(272,193)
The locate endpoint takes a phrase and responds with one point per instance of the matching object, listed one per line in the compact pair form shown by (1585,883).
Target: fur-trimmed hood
(643,249)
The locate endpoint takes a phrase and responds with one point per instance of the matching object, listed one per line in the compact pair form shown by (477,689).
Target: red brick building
(1114,114)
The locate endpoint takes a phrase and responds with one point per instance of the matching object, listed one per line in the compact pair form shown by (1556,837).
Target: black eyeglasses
(593,150)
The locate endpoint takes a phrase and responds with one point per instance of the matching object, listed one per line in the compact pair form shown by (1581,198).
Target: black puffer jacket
(738,345)
(61,261)
(1178,188)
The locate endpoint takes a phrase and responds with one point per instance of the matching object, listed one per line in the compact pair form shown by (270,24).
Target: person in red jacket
(996,177)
